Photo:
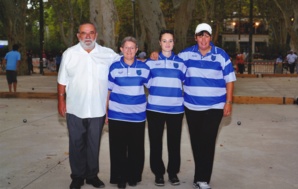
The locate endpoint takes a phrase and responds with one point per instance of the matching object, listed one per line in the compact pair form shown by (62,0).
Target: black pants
(292,68)
(241,68)
(156,122)
(203,127)
(84,142)
(30,67)
(127,153)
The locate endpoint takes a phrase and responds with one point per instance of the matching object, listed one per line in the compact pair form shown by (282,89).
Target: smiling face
(129,50)
(203,40)
(166,42)
(87,36)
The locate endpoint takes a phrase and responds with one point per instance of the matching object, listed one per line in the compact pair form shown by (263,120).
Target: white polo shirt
(85,76)
(291,58)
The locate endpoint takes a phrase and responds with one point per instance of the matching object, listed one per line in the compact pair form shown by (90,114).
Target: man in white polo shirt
(291,58)
(82,96)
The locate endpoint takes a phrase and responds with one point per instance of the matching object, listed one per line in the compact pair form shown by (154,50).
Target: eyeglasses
(85,34)
(129,48)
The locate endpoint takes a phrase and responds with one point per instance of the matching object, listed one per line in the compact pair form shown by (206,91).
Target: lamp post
(41,34)
(41,31)
(134,17)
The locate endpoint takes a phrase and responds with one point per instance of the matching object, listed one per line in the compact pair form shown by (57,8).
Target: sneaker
(95,182)
(159,181)
(76,184)
(201,185)
(174,180)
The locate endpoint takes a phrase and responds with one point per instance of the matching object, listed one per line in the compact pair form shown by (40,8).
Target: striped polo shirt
(126,84)
(206,78)
(165,84)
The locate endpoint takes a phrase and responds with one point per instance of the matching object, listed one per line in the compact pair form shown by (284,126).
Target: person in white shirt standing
(82,96)
(291,59)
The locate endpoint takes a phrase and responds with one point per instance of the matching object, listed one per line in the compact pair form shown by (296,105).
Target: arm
(3,62)
(229,99)
(61,100)
(107,107)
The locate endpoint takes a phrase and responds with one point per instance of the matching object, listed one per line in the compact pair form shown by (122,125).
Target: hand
(227,109)
(62,107)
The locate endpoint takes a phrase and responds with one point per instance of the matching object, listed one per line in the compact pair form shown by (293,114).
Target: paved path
(262,152)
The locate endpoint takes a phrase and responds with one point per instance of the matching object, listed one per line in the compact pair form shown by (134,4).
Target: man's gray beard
(87,47)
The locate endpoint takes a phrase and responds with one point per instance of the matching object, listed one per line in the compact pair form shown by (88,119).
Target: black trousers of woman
(127,153)
(156,123)
(203,127)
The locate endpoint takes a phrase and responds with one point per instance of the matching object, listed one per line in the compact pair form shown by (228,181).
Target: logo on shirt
(176,65)
(139,72)
(213,58)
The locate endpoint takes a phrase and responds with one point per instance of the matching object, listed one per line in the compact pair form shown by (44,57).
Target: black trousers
(292,67)
(84,142)
(241,68)
(203,127)
(127,153)
(156,122)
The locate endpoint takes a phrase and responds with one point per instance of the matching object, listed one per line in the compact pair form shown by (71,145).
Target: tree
(152,21)
(289,10)
(104,15)
(13,15)
(183,13)
(67,15)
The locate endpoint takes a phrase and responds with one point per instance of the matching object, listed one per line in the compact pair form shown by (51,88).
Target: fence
(267,67)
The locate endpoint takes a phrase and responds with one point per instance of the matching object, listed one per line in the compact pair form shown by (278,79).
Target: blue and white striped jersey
(126,84)
(165,84)
(206,78)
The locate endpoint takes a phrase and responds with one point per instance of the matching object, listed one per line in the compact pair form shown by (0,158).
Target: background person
(12,60)
(278,64)
(83,78)
(127,115)
(165,106)
(58,59)
(29,62)
(240,62)
(291,59)
(208,92)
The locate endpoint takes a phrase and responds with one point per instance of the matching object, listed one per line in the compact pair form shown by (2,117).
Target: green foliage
(125,14)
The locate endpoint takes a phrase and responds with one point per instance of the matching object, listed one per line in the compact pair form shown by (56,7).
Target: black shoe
(95,182)
(132,183)
(159,181)
(76,183)
(174,180)
(121,185)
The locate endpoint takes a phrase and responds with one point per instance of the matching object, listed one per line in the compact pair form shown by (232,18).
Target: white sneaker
(201,185)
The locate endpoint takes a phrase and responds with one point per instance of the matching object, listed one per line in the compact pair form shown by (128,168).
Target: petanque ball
(32,88)
(238,122)
(25,120)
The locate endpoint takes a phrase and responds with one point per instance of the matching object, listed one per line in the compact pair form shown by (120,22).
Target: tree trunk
(290,9)
(13,16)
(183,18)
(104,15)
(153,21)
